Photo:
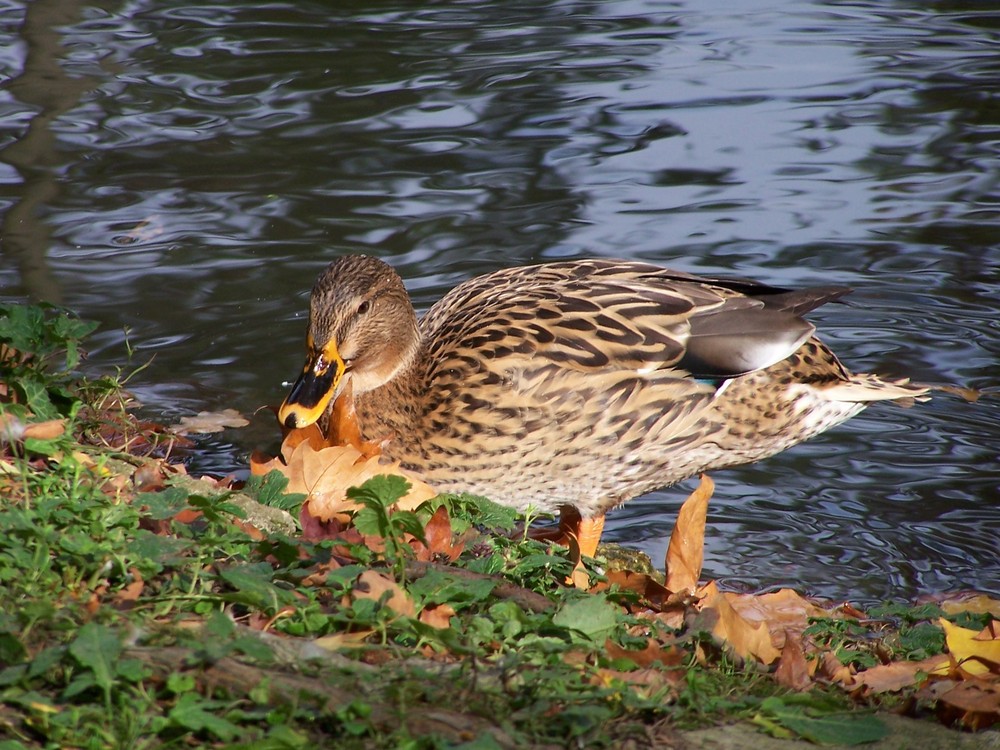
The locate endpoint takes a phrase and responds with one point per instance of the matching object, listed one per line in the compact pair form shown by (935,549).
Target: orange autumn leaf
(834,670)
(743,638)
(53,428)
(644,682)
(132,591)
(318,467)
(373,585)
(783,611)
(889,678)
(654,593)
(437,616)
(654,653)
(210,421)
(685,553)
(325,473)
(439,538)
(974,703)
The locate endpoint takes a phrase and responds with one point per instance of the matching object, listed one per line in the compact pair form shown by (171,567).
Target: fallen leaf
(783,611)
(974,703)
(337,641)
(654,653)
(834,670)
(132,591)
(976,652)
(437,616)
(326,474)
(980,604)
(793,671)
(645,682)
(374,585)
(439,538)
(888,678)
(745,640)
(210,421)
(53,428)
(685,553)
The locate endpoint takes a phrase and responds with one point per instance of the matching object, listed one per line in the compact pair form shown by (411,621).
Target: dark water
(183,171)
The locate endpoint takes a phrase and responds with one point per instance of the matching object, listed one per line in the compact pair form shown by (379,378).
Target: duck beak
(319,383)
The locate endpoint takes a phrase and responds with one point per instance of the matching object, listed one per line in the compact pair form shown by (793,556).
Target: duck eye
(364,307)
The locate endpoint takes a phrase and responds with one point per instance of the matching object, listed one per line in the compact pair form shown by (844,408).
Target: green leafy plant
(377,518)
(39,350)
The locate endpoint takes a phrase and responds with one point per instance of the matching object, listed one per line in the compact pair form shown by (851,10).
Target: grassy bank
(142,608)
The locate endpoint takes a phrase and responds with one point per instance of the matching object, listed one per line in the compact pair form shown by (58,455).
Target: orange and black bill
(315,387)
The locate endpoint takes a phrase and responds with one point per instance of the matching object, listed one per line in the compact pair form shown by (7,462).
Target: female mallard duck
(574,385)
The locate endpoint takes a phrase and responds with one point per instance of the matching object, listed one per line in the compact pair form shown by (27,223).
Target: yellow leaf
(971,648)
(337,641)
(685,553)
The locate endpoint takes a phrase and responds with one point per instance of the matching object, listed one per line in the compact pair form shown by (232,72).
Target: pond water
(180,172)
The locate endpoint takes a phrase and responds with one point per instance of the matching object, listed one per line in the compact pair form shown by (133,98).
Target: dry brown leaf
(440,539)
(261,463)
(975,703)
(793,671)
(132,591)
(654,593)
(888,678)
(746,640)
(645,682)
(834,670)
(53,428)
(685,552)
(374,585)
(783,611)
(326,473)
(210,421)
(654,653)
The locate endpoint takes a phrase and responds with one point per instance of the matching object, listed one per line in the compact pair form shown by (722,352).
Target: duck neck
(390,411)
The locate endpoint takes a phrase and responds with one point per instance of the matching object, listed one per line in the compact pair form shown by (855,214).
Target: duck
(573,386)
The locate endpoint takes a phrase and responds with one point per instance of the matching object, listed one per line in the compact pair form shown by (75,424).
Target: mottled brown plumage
(580,383)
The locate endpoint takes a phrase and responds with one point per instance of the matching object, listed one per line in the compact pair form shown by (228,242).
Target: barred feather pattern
(575,383)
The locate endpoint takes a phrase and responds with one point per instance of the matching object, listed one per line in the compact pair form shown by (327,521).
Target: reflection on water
(184,172)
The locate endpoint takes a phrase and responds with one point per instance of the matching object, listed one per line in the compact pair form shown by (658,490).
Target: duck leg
(586,531)
(573,531)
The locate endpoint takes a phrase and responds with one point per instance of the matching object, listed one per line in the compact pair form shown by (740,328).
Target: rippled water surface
(183,171)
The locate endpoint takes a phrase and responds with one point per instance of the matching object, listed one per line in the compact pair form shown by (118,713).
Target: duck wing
(614,316)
